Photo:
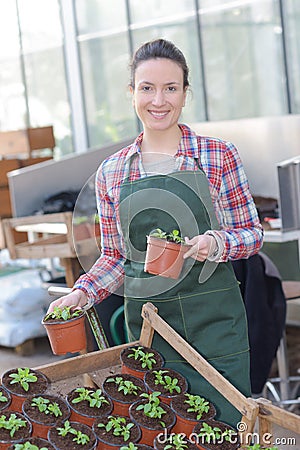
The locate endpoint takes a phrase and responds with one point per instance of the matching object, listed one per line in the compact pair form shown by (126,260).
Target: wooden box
(7,165)
(94,366)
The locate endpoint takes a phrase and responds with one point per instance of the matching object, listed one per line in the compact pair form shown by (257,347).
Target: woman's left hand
(202,246)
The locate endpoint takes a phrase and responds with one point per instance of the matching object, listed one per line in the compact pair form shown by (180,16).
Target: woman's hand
(76,298)
(202,247)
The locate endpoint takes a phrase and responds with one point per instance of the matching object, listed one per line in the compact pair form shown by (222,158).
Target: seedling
(28,446)
(197,405)
(80,437)
(3,398)
(127,386)
(152,408)
(173,236)
(45,406)
(214,434)
(146,358)
(169,383)
(130,446)
(64,313)
(176,441)
(23,377)
(118,426)
(13,423)
(94,398)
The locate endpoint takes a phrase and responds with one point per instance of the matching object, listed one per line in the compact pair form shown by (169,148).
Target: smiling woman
(173,179)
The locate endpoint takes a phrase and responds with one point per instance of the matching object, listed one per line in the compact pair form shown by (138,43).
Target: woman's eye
(171,88)
(146,88)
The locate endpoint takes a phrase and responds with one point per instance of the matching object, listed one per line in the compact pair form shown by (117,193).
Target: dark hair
(159,48)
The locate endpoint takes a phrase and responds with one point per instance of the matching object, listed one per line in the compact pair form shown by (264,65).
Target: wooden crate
(96,363)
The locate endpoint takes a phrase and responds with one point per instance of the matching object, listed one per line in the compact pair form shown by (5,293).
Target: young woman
(171,178)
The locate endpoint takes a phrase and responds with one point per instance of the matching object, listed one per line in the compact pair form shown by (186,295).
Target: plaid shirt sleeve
(241,231)
(107,274)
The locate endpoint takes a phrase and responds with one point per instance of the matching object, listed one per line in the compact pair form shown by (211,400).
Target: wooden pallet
(109,359)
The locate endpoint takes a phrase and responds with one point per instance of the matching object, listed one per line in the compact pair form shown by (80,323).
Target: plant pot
(5,403)
(133,367)
(22,433)
(67,336)
(108,441)
(67,442)
(81,231)
(161,441)
(18,394)
(151,427)
(164,258)
(166,396)
(217,444)
(186,421)
(83,412)
(42,422)
(39,442)
(121,402)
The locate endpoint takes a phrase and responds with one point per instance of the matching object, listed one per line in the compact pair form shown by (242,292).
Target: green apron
(207,312)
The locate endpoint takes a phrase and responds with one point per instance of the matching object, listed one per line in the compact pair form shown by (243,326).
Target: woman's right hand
(76,298)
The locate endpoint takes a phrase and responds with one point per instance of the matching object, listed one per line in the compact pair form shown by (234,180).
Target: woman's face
(159,95)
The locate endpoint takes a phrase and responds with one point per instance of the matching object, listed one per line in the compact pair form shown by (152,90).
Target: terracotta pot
(122,402)
(66,336)
(149,432)
(18,394)
(6,403)
(164,258)
(61,442)
(202,444)
(81,231)
(133,367)
(165,396)
(186,421)
(41,422)
(106,439)
(39,442)
(23,433)
(83,413)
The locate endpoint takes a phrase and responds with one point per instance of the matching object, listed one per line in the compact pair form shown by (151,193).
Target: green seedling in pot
(176,441)
(95,398)
(28,446)
(152,408)
(127,386)
(23,377)
(146,358)
(129,446)
(3,398)
(64,313)
(213,435)
(80,438)
(13,423)
(197,405)
(169,383)
(173,236)
(45,406)
(118,426)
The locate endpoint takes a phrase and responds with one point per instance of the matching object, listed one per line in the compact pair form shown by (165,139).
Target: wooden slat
(279,416)
(222,385)
(14,143)
(79,365)
(147,331)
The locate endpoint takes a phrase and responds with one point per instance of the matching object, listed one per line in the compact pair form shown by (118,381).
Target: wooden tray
(99,363)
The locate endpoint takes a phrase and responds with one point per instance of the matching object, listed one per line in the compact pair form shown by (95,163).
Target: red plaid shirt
(240,229)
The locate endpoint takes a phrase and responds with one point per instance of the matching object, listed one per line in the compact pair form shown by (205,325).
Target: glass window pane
(44,68)
(100,15)
(12,99)
(292,33)
(109,110)
(243,58)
